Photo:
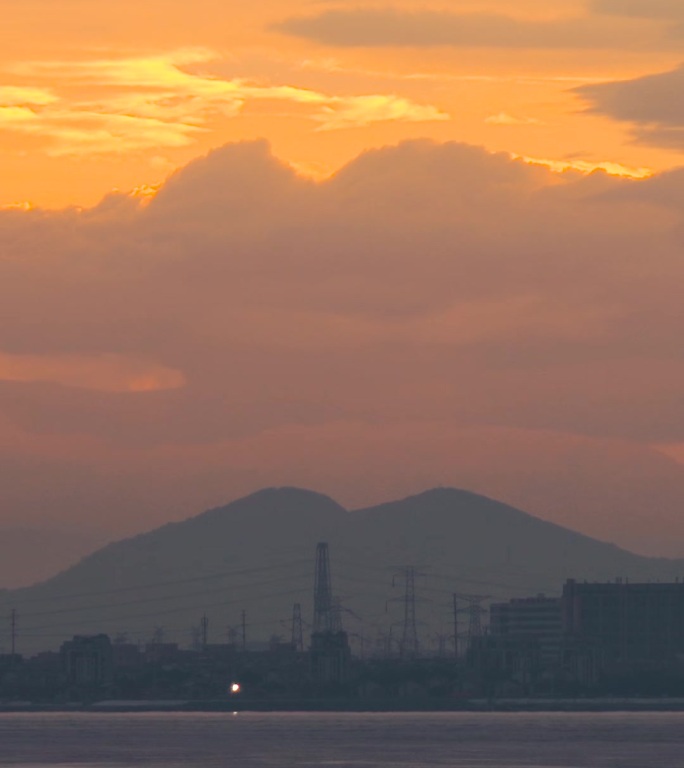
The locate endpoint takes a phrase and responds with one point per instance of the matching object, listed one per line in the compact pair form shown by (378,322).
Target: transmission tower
(408,645)
(326,616)
(297,628)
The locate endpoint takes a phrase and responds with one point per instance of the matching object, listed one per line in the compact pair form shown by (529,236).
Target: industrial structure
(330,652)
(613,637)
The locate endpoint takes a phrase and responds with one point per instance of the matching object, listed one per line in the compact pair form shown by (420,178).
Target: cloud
(390,27)
(104,373)
(147,102)
(432,313)
(19,96)
(587,166)
(650,9)
(503,118)
(363,110)
(650,104)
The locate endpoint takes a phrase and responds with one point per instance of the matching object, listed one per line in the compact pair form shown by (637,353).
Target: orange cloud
(103,373)
(153,101)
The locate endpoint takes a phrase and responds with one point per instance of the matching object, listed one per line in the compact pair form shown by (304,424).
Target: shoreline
(360,706)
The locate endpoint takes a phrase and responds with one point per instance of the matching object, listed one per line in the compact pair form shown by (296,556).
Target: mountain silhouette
(257,554)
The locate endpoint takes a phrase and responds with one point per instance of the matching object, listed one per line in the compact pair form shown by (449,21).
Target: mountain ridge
(256,553)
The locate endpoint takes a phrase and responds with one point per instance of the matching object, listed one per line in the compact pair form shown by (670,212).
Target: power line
(167,612)
(176,582)
(158,598)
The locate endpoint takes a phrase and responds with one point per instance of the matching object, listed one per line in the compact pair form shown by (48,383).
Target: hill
(257,555)
(60,547)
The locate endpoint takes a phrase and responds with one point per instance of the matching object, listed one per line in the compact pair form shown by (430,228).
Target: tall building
(524,642)
(626,623)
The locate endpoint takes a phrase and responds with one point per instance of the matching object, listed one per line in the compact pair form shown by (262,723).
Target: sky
(362,248)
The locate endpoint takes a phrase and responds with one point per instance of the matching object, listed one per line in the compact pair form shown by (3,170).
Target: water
(456,740)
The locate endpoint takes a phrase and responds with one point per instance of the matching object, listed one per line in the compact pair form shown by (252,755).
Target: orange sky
(187,318)
(96,96)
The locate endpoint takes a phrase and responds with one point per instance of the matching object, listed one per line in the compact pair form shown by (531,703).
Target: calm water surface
(337,740)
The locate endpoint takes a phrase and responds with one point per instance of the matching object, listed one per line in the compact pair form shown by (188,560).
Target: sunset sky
(363,248)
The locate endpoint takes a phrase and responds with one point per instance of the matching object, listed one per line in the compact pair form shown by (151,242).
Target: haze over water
(457,740)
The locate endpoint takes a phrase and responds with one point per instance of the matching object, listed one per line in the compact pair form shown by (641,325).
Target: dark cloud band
(430,29)
(653,105)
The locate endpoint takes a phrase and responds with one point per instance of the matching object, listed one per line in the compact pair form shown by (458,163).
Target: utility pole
(13,630)
(243,621)
(441,639)
(455,608)
(205,632)
(297,628)
(409,635)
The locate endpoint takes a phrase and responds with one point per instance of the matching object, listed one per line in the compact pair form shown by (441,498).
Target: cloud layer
(650,9)
(651,104)
(125,105)
(396,27)
(431,314)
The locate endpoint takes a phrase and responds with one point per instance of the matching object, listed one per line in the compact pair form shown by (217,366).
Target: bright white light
(235,688)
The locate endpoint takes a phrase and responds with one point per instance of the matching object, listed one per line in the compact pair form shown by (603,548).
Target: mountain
(257,554)
(60,547)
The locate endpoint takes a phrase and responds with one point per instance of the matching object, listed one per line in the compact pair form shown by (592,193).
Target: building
(88,661)
(625,623)
(531,619)
(525,639)
(330,658)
